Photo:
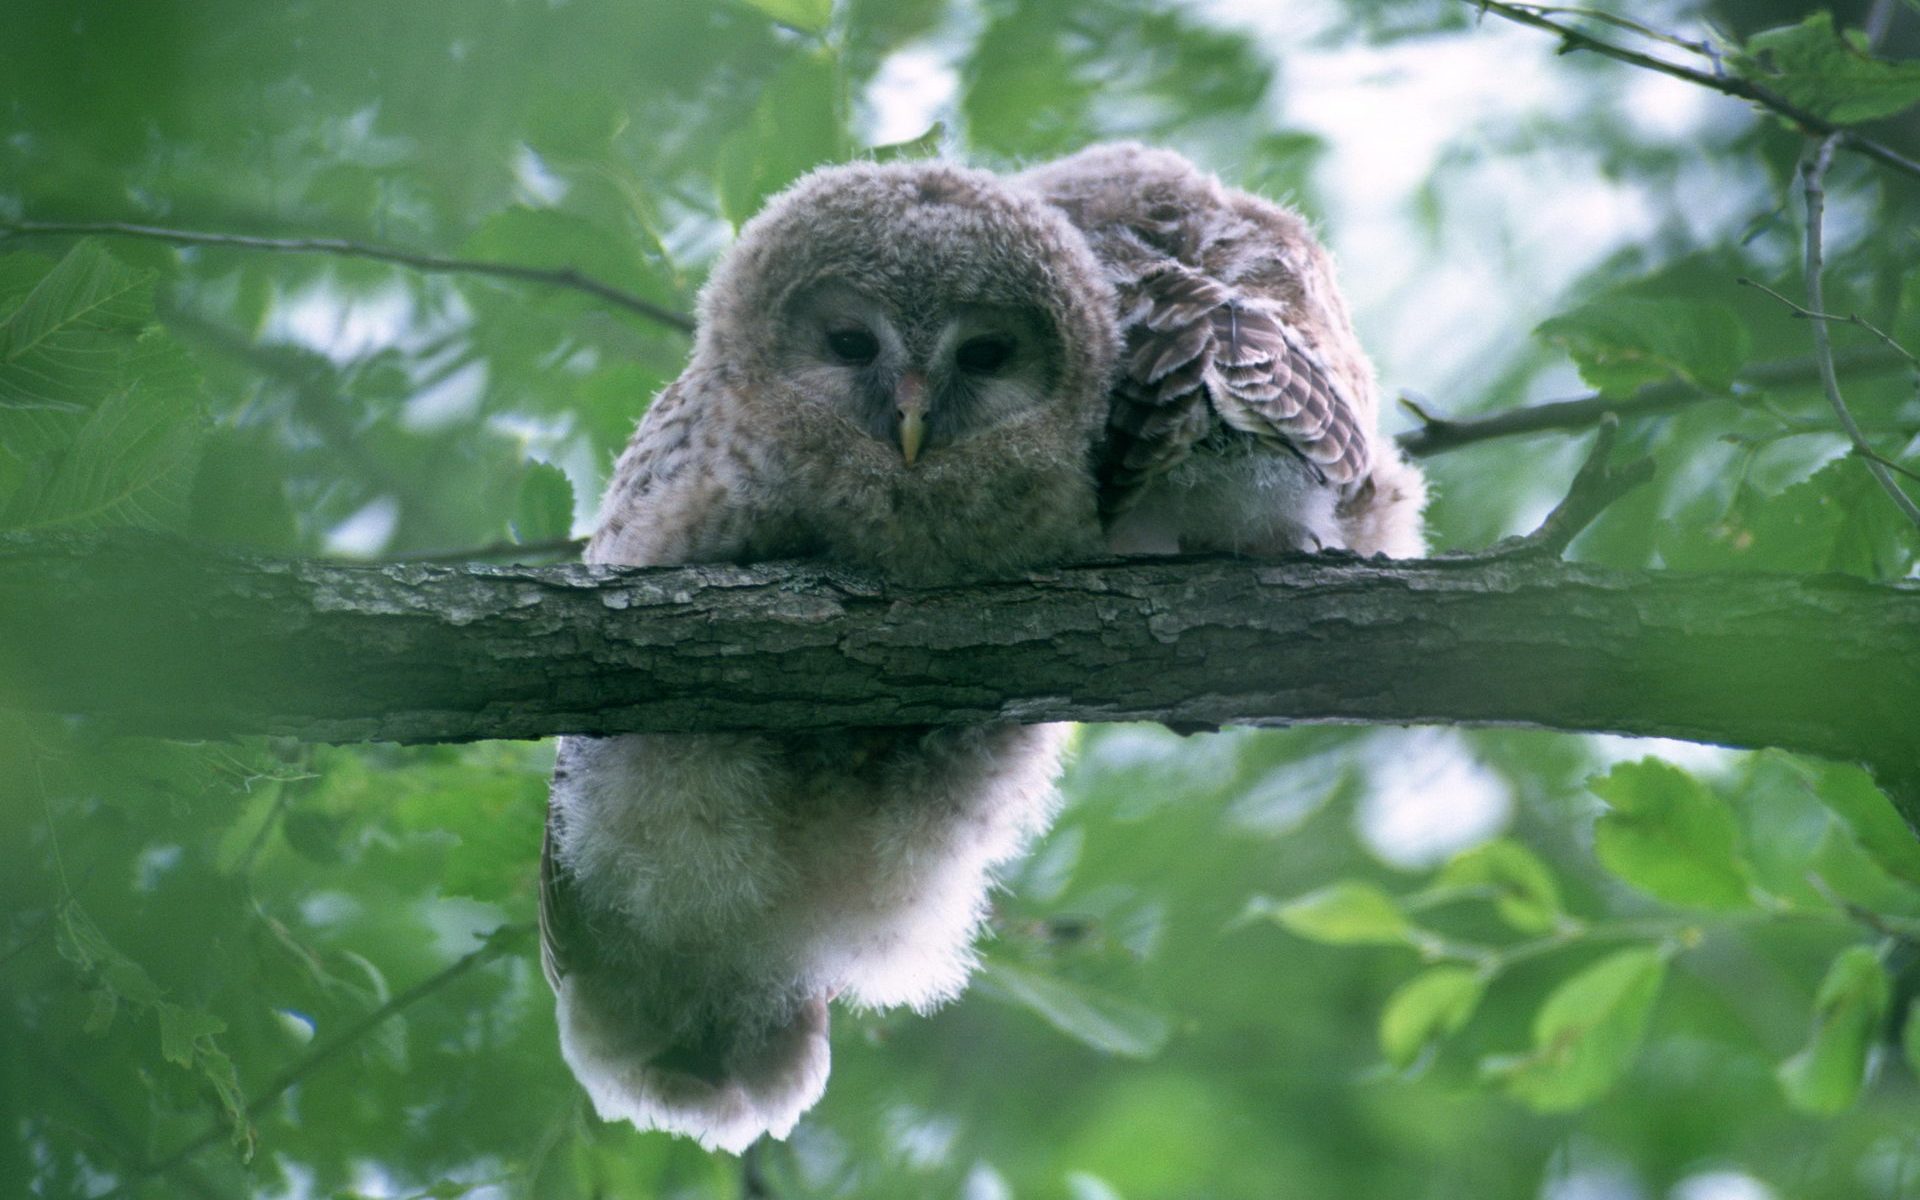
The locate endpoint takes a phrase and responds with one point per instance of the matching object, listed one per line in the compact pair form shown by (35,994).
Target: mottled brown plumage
(1244,413)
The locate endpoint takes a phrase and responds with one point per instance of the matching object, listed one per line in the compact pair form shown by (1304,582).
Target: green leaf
(544,509)
(1669,836)
(1825,1077)
(1108,1023)
(181,1029)
(131,461)
(1817,69)
(1586,1034)
(808,16)
(1621,342)
(1431,1006)
(795,127)
(61,345)
(927,145)
(1526,896)
(1347,913)
(1875,824)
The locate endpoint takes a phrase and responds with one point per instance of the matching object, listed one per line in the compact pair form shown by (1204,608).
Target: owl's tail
(724,1086)
(1383,515)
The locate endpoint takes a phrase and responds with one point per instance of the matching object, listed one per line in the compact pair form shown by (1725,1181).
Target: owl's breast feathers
(1205,365)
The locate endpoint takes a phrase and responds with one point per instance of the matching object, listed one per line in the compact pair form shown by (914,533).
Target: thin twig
(1814,177)
(497,944)
(1437,435)
(1703,49)
(564,277)
(1807,314)
(1595,486)
(1730,85)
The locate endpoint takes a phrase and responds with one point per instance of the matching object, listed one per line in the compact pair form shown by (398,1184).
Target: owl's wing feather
(559,916)
(1200,356)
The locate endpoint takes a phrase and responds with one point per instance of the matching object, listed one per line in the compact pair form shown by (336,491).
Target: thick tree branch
(1730,85)
(153,636)
(564,277)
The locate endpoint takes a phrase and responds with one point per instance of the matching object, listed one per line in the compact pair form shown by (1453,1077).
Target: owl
(1244,416)
(898,368)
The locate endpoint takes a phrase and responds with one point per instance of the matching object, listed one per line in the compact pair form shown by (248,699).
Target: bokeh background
(1425,964)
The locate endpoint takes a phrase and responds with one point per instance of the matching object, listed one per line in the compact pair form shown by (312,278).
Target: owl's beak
(910,401)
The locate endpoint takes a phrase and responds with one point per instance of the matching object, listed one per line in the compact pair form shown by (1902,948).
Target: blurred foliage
(1305,962)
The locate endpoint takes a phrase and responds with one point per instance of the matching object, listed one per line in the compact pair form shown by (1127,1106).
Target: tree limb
(1437,435)
(154,636)
(564,277)
(1730,85)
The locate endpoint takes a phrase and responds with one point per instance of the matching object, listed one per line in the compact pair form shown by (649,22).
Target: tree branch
(503,940)
(154,636)
(563,277)
(1814,172)
(1437,435)
(1731,85)
(1597,485)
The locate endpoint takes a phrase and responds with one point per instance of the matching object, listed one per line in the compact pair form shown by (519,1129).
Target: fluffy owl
(898,368)
(1245,416)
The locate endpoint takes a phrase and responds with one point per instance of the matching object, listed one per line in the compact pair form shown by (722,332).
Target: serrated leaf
(1432,1005)
(808,16)
(1527,897)
(543,510)
(1850,793)
(1108,1023)
(1621,342)
(1824,1078)
(1347,913)
(131,461)
(61,346)
(1669,836)
(1817,69)
(1586,1034)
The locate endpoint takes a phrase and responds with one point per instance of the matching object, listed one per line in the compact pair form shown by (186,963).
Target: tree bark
(155,636)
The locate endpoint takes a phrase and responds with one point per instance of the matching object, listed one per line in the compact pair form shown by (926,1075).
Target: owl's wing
(678,491)
(1198,354)
(676,497)
(560,923)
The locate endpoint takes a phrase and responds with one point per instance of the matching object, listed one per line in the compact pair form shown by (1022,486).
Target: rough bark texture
(158,637)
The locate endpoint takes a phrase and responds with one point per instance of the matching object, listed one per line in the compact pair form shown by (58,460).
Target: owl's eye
(984,355)
(855,346)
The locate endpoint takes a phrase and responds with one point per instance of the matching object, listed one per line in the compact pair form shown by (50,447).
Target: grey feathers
(933,374)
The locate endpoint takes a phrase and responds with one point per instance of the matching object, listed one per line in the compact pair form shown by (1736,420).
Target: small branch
(1814,175)
(1437,435)
(1855,319)
(498,943)
(1731,85)
(1595,486)
(562,277)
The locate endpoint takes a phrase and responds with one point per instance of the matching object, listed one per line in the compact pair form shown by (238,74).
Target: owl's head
(922,306)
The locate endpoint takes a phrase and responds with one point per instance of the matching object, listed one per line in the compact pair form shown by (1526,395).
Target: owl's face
(912,322)
(919,378)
